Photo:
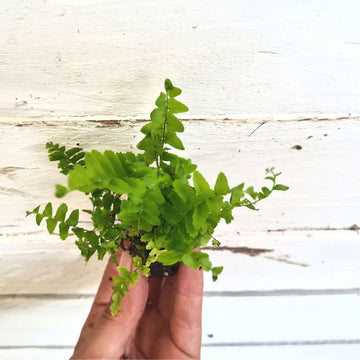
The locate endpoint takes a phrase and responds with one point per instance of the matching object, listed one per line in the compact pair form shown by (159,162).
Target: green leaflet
(51,225)
(60,191)
(226,212)
(250,190)
(39,218)
(171,89)
(170,213)
(161,101)
(216,271)
(221,185)
(64,230)
(174,124)
(48,210)
(214,204)
(181,206)
(73,219)
(170,257)
(197,259)
(266,191)
(189,225)
(185,191)
(176,107)
(168,85)
(280,187)
(172,139)
(61,213)
(237,194)
(200,215)
(202,187)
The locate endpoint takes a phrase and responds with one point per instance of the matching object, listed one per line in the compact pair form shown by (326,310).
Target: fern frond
(117,172)
(56,220)
(66,158)
(163,126)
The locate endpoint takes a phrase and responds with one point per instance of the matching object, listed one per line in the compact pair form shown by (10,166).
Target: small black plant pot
(159,270)
(136,248)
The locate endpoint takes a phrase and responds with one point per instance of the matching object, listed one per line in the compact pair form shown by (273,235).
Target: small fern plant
(154,203)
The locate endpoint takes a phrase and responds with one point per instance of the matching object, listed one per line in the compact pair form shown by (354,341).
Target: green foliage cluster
(156,201)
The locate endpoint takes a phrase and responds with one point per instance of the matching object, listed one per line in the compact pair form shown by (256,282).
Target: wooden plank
(35,353)
(232,321)
(309,260)
(299,352)
(43,264)
(91,61)
(297,262)
(280,319)
(27,178)
(319,352)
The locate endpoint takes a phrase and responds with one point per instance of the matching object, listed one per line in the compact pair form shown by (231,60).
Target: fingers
(104,293)
(186,314)
(111,334)
(104,335)
(102,298)
(155,285)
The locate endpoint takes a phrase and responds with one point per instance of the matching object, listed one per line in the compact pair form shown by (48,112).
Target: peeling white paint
(254,62)
(250,59)
(323,176)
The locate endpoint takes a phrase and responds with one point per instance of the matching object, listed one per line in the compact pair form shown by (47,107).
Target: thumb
(110,334)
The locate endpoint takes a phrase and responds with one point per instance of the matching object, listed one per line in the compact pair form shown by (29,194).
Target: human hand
(158,318)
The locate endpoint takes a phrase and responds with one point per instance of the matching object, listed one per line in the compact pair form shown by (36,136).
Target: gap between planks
(260,120)
(229,344)
(323,352)
(245,293)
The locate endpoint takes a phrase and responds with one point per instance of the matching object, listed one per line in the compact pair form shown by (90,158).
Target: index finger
(104,293)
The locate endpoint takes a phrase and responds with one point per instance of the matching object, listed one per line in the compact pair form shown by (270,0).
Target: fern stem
(158,162)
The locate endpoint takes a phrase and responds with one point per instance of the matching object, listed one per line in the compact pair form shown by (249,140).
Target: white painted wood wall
(87,71)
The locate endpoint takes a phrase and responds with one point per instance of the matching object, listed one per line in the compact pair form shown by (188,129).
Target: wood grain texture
(303,227)
(259,59)
(302,263)
(254,320)
(310,235)
(253,62)
(322,176)
(286,352)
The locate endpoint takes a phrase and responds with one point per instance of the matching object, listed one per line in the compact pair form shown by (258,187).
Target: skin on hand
(158,318)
